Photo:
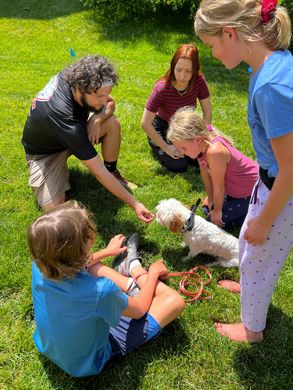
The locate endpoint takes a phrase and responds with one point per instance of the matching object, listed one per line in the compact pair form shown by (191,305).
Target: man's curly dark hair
(90,72)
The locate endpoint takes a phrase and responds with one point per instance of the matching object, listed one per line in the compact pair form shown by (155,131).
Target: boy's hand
(112,249)
(159,268)
(115,247)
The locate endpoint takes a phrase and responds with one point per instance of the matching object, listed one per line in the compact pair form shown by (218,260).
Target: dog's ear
(176,224)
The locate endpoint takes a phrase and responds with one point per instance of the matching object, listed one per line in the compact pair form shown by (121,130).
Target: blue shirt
(73,317)
(270,106)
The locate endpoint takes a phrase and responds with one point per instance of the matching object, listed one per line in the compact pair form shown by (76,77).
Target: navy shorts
(233,212)
(131,333)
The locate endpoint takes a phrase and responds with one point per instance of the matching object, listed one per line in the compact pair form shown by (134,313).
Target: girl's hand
(206,202)
(173,152)
(115,247)
(257,231)
(216,218)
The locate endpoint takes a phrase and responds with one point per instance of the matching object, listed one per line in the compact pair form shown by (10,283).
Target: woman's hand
(172,151)
(216,218)
(257,231)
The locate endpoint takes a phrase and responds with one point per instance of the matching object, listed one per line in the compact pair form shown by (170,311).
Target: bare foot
(238,332)
(229,285)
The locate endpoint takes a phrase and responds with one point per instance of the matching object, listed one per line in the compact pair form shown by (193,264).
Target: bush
(118,11)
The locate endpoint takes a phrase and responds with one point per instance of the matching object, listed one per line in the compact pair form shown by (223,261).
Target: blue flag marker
(249,70)
(72,53)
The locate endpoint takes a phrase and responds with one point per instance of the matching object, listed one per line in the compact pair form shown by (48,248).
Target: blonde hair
(185,125)
(245,16)
(59,240)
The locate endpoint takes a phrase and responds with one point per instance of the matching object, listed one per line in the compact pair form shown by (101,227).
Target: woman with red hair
(181,86)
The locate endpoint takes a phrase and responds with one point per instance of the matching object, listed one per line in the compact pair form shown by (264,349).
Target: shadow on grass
(35,9)
(124,373)
(105,206)
(159,31)
(192,175)
(268,365)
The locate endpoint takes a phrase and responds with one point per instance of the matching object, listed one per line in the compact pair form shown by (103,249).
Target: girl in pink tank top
(228,175)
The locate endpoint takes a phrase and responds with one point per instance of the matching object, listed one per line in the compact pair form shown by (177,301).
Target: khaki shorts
(49,176)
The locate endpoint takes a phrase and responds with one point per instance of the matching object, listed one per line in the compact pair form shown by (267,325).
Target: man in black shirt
(69,116)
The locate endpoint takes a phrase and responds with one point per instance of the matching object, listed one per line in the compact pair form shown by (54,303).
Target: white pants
(260,265)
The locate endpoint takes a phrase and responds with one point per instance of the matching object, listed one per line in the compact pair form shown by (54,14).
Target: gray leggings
(260,265)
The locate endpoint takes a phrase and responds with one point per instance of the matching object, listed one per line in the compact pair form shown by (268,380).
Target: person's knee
(59,199)
(175,301)
(174,165)
(112,124)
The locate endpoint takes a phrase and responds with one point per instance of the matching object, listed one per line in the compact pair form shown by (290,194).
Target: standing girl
(228,175)
(259,33)
(181,86)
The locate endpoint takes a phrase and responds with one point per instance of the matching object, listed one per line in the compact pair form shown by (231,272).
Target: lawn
(35,43)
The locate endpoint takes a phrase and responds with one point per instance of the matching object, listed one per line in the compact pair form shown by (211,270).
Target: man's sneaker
(122,262)
(123,181)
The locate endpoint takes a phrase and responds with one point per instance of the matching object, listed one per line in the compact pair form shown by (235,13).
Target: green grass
(34,45)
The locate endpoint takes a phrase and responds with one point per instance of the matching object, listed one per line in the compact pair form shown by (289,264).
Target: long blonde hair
(185,125)
(245,17)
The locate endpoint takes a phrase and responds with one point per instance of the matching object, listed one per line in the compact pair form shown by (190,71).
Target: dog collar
(190,222)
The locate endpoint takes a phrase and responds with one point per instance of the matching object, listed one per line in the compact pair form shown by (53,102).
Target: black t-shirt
(57,122)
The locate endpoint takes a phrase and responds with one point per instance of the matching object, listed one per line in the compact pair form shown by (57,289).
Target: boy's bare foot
(229,285)
(238,332)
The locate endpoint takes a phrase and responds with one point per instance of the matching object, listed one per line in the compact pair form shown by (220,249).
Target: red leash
(195,280)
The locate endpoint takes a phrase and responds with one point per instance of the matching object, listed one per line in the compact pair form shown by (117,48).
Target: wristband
(139,275)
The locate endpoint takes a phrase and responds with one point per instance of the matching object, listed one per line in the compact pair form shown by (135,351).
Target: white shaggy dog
(199,235)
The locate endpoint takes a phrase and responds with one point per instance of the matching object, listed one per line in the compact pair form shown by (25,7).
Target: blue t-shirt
(270,106)
(73,317)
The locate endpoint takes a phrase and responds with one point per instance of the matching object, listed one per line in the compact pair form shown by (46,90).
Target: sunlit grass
(35,41)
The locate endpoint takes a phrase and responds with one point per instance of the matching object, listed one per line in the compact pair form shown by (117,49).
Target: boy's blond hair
(60,240)
(245,17)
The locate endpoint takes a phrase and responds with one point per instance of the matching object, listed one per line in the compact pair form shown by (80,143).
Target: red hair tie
(267,9)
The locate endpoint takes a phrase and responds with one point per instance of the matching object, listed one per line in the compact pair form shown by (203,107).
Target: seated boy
(83,315)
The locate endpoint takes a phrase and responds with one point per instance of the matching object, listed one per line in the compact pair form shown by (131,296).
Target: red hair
(190,52)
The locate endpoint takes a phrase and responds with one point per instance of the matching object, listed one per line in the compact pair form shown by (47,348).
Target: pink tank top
(241,173)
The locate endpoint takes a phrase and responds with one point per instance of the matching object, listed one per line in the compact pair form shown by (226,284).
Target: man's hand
(93,129)
(143,213)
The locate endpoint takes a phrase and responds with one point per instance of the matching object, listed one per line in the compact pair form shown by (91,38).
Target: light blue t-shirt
(270,106)
(73,317)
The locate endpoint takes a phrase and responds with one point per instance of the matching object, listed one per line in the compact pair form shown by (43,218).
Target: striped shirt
(165,99)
